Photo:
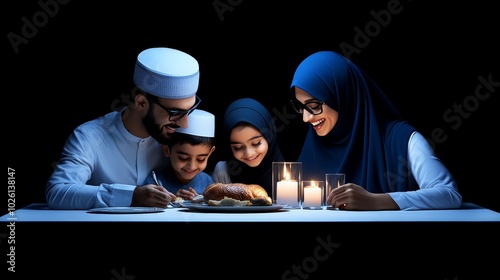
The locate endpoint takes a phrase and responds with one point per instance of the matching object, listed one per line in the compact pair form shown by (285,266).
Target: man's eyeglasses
(314,107)
(175,115)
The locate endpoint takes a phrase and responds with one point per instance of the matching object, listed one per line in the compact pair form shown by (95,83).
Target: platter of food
(126,210)
(203,207)
(234,198)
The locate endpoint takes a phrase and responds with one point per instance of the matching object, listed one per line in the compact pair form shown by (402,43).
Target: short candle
(312,196)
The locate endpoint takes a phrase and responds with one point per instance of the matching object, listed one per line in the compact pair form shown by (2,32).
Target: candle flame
(313,184)
(286,173)
(287,176)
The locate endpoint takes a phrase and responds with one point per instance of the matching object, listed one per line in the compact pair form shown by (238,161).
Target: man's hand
(152,196)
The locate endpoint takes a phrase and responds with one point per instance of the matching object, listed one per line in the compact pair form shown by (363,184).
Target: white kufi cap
(167,73)
(200,123)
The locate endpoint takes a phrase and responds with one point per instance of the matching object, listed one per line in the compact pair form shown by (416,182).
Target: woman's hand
(353,197)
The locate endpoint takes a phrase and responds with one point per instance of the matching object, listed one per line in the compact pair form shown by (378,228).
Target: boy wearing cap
(189,150)
(105,161)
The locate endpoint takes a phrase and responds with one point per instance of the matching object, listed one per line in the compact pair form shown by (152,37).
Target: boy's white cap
(167,73)
(200,123)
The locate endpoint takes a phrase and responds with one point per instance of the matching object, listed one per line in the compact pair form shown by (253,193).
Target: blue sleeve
(437,187)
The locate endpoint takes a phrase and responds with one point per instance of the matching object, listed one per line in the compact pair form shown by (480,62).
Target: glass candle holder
(313,194)
(286,183)
(333,180)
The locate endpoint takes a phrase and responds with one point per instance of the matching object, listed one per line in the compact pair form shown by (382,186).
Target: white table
(39,212)
(289,244)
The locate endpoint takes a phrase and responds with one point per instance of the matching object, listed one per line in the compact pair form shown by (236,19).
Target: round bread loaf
(239,191)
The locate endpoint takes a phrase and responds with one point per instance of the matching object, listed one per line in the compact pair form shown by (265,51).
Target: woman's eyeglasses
(175,115)
(314,107)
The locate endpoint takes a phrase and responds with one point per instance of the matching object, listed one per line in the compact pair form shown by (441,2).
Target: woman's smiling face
(322,123)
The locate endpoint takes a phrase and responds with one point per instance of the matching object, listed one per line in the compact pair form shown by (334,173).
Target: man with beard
(105,161)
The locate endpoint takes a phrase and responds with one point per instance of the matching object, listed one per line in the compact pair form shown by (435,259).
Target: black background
(77,64)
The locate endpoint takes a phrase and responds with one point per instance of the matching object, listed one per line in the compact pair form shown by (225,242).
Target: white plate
(126,210)
(232,209)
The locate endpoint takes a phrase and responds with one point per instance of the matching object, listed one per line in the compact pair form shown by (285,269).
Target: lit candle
(287,191)
(312,196)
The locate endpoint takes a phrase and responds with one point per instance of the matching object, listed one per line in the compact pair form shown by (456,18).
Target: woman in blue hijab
(252,139)
(356,130)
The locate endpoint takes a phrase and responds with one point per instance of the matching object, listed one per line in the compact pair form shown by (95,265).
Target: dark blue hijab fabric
(370,140)
(250,111)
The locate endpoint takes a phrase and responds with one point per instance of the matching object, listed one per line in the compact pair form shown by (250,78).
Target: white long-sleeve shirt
(436,187)
(101,164)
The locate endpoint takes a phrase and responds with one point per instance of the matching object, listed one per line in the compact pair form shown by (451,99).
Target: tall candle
(287,192)
(312,196)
